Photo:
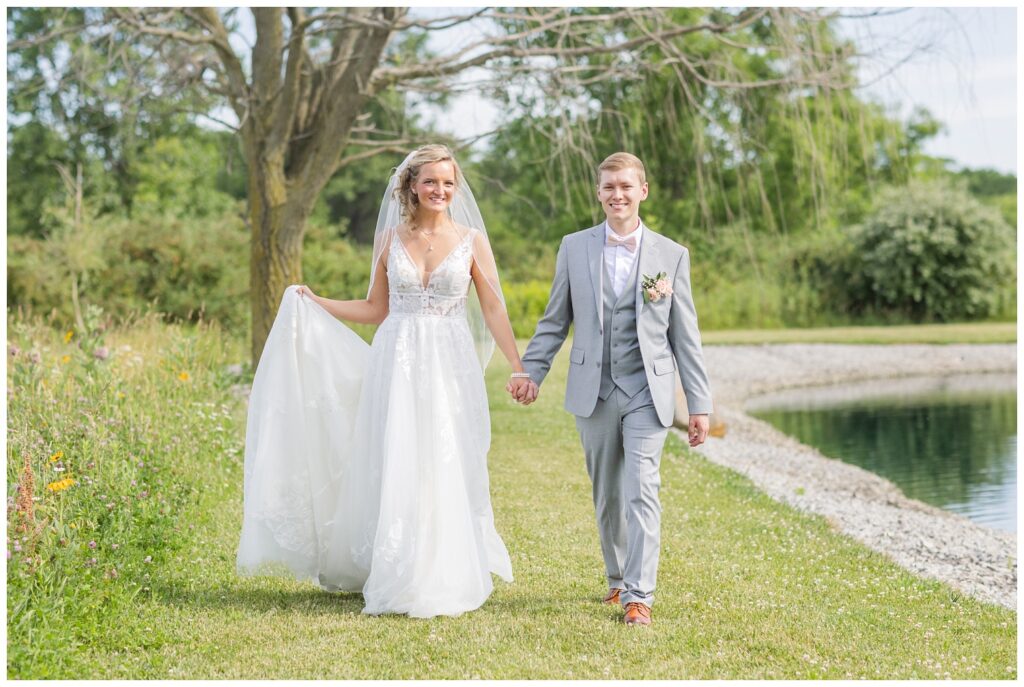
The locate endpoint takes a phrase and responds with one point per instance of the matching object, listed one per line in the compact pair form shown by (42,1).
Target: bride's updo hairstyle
(423,155)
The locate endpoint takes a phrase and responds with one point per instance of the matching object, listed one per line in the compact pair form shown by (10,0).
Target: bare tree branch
(680,58)
(235,74)
(398,146)
(436,24)
(266,82)
(348,83)
(136,21)
(287,107)
(461,61)
(43,39)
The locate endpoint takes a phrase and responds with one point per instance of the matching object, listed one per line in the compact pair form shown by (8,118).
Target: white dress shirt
(618,261)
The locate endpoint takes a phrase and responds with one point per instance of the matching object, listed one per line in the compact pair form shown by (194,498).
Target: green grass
(747,588)
(974,332)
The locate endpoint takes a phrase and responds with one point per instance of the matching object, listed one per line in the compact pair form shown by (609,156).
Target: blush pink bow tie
(627,243)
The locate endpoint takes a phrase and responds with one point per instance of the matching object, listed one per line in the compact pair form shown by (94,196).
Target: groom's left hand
(698,430)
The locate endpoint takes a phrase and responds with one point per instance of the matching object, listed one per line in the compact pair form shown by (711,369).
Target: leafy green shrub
(335,267)
(742,303)
(525,303)
(814,273)
(932,252)
(735,280)
(180,176)
(185,268)
(1007,206)
(520,258)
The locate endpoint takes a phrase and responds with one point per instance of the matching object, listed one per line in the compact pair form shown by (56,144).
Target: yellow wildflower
(56,456)
(65,360)
(60,485)
(69,335)
(183,376)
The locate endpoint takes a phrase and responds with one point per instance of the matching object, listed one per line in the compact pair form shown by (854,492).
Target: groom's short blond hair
(617,161)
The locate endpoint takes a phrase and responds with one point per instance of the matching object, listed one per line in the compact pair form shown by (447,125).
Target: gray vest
(622,364)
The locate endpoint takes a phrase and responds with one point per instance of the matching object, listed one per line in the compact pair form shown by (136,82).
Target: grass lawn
(747,587)
(975,332)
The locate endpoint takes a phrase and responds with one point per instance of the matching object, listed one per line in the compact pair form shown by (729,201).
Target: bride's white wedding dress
(366,466)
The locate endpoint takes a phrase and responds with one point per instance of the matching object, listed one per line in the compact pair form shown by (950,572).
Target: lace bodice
(446,287)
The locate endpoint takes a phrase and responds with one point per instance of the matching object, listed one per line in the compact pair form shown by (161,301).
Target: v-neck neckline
(420,272)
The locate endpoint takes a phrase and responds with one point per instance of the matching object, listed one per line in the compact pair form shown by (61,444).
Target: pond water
(950,442)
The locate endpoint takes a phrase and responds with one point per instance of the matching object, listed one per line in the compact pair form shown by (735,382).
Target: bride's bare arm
(371,310)
(495,314)
(497,320)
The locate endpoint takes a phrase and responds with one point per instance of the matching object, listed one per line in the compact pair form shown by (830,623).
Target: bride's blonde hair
(424,155)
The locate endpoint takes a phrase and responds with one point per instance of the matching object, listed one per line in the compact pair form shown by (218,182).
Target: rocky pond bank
(974,559)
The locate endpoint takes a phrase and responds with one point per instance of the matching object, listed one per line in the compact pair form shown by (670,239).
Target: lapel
(645,265)
(595,258)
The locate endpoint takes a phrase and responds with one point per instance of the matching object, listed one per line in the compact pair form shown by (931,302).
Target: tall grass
(112,436)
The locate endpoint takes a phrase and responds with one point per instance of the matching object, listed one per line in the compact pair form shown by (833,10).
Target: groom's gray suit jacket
(666,329)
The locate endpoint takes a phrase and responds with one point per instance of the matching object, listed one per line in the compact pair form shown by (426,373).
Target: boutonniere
(656,287)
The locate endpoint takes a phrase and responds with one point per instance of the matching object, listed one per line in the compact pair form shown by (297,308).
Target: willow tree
(301,92)
(764,138)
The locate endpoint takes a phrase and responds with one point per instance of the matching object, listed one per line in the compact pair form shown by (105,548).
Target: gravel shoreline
(974,559)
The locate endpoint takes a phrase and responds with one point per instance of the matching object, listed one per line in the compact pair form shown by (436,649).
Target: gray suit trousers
(622,441)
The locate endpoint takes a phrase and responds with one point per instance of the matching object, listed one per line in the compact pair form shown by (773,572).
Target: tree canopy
(748,121)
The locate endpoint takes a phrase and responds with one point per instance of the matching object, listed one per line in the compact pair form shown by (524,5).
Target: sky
(959,63)
(964,72)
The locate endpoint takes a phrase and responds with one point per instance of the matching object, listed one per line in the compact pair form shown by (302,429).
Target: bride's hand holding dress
(371,310)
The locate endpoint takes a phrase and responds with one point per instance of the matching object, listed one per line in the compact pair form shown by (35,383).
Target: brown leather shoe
(637,613)
(612,598)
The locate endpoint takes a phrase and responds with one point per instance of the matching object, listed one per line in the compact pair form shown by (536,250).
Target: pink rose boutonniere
(656,287)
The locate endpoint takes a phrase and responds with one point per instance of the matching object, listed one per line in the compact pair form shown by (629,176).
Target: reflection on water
(950,444)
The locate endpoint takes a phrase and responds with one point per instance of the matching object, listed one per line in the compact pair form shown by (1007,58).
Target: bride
(366,466)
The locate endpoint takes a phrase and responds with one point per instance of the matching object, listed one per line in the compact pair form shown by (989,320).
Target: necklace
(426,236)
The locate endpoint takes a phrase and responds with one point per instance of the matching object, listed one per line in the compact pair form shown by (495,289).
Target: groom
(627,289)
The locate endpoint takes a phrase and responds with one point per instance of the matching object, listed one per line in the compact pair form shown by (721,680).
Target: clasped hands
(523,390)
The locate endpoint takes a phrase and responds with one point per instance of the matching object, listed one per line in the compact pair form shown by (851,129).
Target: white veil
(464,212)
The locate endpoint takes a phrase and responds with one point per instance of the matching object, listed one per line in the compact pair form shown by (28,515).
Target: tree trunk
(291,158)
(278,224)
